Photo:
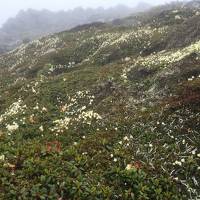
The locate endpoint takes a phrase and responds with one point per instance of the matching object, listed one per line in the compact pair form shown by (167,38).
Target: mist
(10,8)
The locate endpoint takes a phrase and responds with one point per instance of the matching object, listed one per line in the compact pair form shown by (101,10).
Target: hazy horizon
(7,11)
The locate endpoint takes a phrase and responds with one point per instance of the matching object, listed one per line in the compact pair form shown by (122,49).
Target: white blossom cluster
(140,37)
(88,116)
(14,109)
(61,125)
(59,66)
(162,59)
(143,34)
(76,111)
(12,127)
(25,53)
(2,157)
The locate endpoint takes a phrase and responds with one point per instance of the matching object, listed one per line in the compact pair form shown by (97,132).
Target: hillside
(32,24)
(104,111)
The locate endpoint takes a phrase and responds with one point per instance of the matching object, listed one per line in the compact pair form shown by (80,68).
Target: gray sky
(9,8)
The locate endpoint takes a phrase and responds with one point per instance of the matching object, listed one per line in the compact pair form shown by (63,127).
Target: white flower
(84,107)
(177,17)
(198,155)
(127,59)
(150,145)
(41,128)
(177,163)
(111,155)
(36,107)
(2,157)
(14,109)
(183,160)
(129,167)
(87,116)
(62,124)
(115,159)
(12,127)
(197,13)
(33,90)
(194,152)
(44,109)
(176,178)
(126,138)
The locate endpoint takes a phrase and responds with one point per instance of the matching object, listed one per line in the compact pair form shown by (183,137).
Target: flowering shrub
(82,116)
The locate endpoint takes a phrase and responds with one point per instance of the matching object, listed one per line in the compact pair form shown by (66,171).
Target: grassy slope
(78,108)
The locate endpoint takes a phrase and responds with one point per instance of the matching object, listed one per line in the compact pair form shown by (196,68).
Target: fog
(9,8)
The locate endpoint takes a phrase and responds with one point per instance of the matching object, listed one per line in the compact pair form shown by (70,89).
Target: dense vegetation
(104,111)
